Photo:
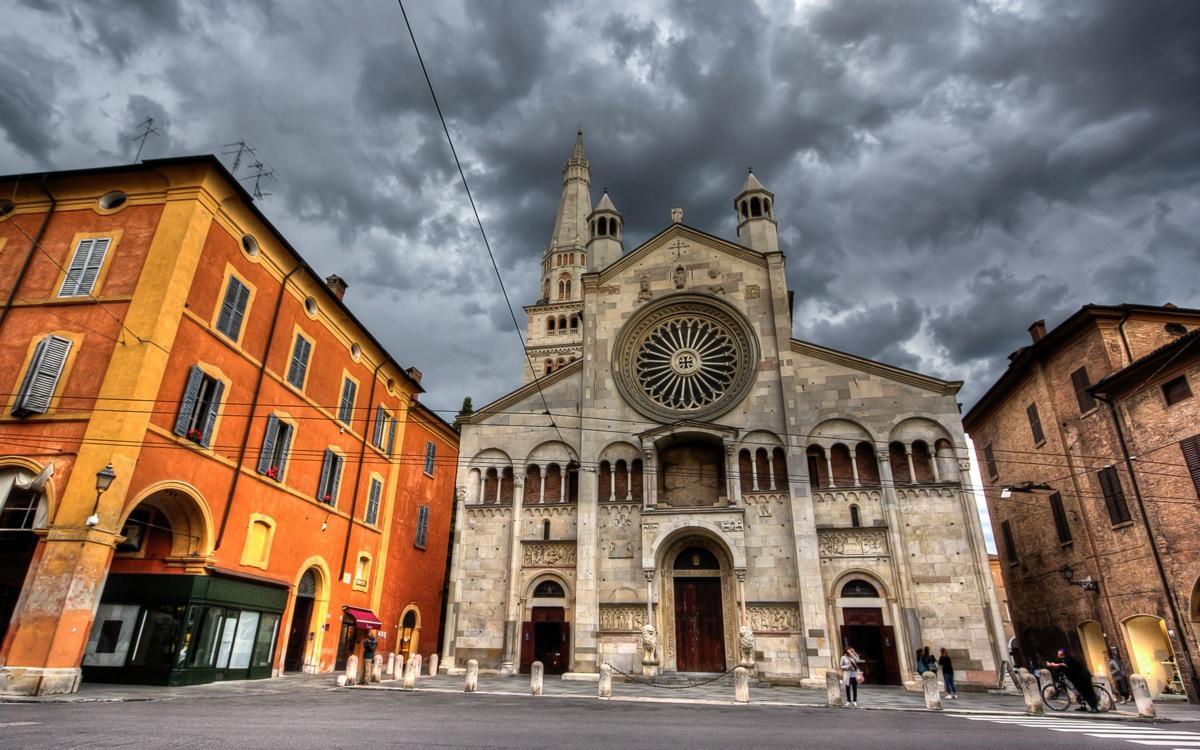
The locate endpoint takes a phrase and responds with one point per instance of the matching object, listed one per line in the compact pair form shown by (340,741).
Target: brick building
(1095,433)
(206,470)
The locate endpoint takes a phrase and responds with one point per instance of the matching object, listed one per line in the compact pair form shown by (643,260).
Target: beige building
(680,486)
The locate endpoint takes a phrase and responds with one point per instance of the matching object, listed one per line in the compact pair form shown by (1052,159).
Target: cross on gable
(678,249)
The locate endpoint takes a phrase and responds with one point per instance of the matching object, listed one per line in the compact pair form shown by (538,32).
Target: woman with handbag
(851,664)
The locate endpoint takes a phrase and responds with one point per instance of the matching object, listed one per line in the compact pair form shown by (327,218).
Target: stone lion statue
(649,639)
(746,639)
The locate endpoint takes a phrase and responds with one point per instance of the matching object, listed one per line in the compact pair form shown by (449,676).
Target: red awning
(364,619)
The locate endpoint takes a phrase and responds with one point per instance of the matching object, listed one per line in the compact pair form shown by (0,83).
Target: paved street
(308,712)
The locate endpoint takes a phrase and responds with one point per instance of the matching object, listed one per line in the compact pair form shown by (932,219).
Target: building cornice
(891,372)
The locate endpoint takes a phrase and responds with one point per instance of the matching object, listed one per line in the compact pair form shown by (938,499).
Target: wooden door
(293,660)
(526,647)
(891,660)
(346,643)
(699,627)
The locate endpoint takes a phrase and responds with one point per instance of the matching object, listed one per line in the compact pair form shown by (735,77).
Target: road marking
(1149,736)
(19,723)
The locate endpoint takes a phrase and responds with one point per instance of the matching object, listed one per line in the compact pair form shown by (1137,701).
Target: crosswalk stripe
(19,723)
(1163,736)
(1168,743)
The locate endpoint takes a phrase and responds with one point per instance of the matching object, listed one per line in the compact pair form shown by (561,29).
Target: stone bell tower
(605,225)
(756,227)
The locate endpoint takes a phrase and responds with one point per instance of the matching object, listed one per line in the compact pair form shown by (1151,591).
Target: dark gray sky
(946,172)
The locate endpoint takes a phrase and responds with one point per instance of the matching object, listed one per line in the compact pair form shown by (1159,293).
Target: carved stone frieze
(548,555)
(486,512)
(864,542)
(774,618)
(731,526)
(622,618)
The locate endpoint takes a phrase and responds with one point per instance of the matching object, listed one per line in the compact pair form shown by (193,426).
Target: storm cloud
(945,172)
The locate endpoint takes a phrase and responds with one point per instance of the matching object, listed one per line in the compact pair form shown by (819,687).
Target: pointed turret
(566,257)
(605,225)
(756,218)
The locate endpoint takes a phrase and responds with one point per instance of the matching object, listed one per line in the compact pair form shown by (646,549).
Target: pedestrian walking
(1120,680)
(1079,675)
(368,655)
(947,668)
(851,665)
(926,662)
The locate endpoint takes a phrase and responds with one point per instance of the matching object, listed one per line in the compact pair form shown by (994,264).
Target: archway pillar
(908,625)
(512,622)
(733,481)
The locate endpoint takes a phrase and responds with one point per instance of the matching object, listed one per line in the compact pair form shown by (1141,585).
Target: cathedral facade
(681,486)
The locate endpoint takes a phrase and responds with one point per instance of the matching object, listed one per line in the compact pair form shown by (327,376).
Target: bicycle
(1059,693)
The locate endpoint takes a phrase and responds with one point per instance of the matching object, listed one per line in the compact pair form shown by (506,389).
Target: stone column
(612,482)
(512,621)
(563,485)
(909,626)
(912,473)
(741,587)
(755,483)
(541,485)
(482,485)
(735,476)
(933,465)
(829,466)
(649,478)
(854,468)
(500,483)
(587,610)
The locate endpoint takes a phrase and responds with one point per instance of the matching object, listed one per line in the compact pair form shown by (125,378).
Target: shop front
(160,629)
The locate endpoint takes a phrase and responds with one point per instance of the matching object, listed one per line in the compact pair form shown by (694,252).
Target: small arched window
(859,589)
(549,589)
(755,207)
(745,211)
(550,325)
(766,207)
(548,366)
(558,363)
(855,521)
(562,323)
(546,529)
(574,322)
(601,226)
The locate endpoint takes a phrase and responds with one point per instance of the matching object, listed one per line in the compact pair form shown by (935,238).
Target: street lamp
(104,480)
(1068,574)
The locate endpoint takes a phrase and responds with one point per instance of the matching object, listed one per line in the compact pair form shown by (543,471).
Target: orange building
(203,454)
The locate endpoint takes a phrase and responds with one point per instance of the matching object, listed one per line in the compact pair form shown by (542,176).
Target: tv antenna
(238,149)
(146,129)
(261,172)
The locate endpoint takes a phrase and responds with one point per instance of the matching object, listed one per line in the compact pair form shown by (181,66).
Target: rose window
(686,363)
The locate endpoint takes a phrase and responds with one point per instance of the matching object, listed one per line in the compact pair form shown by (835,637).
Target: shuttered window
(331,477)
(298,367)
(198,408)
(422,526)
(1080,382)
(233,309)
(1060,518)
(374,494)
(346,405)
(1114,496)
(1191,456)
(1035,424)
(1176,390)
(272,461)
(1010,548)
(989,458)
(45,369)
(391,438)
(85,267)
(430,457)
(379,434)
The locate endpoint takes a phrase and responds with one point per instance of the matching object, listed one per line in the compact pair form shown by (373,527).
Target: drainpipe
(262,368)
(1124,338)
(362,453)
(37,241)
(1185,652)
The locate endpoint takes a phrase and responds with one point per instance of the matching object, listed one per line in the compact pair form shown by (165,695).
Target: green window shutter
(214,404)
(1191,456)
(346,407)
(268,446)
(45,369)
(187,406)
(1114,496)
(323,483)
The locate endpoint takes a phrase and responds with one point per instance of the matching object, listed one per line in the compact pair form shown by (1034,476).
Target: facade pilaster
(512,619)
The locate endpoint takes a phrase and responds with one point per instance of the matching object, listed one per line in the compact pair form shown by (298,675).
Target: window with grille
(1080,382)
(430,457)
(272,460)
(1010,547)
(1035,424)
(298,367)
(374,496)
(331,477)
(346,405)
(1114,496)
(989,458)
(85,267)
(1060,518)
(422,525)
(1176,390)
(1191,456)
(45,370)
(233,309)
(198,408)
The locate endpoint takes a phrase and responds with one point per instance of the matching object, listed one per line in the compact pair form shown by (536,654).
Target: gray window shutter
(79,261)
(91,268)
(377,436)
(338,463)
(239,308)
(299,364)
(323,484)
(268,446)
(346,411)
(422,525)
(210,419)
(187,406)
(391,436)
(233,308)
(45,368)
(285,438)
(373,501)
(430,456)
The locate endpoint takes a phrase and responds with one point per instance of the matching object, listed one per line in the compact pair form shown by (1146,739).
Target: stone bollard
(410,673)
(351,670)
(391,666)
(433,662)
(1141,696)
(472,682)
(399,674)
(741,685)
(833,688)
(535,678)
(420,661)
(1029,691)
(605,685)
(377,669)
(933,696)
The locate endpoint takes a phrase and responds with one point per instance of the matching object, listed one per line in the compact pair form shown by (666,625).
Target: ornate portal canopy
(687,356)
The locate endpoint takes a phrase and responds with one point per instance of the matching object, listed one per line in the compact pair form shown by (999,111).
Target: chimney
(414,373)
(337,285)
(1037,331)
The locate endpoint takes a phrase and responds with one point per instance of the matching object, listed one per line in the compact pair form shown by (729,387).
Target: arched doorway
(1093,646)
(865,628)
(1152,655)
(23,508)
(410,631)
(546,635)
(300,634)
